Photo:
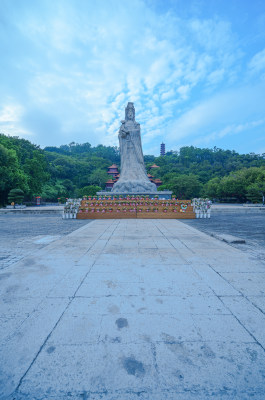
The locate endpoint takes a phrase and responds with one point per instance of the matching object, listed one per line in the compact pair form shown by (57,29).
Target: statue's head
(130,112)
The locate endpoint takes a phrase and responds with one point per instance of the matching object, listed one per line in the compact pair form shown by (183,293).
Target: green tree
(16,196)
(185,186)
(36,170)
(90,190)
(232,187)
(211,188)
(11,173)
(98,177)
(256,192)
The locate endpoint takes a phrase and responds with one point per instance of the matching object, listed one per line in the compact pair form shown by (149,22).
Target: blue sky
(195,70)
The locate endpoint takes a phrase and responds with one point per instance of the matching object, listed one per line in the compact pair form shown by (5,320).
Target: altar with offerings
(134,207)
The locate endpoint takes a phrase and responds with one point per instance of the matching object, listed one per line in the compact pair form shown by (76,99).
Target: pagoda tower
(162,149)
(113,170)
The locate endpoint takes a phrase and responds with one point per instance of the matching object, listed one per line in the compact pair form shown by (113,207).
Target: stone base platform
(163,195)
(136,216)
(186,215)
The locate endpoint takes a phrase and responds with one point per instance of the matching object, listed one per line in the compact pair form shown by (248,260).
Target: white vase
(209,214)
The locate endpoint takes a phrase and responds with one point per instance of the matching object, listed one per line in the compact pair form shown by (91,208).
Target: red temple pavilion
(154,166)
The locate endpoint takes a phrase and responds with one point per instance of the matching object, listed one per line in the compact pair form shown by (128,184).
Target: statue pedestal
(163,195)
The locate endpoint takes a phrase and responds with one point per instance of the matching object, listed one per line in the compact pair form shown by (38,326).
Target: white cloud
(212,34)
(257,63)
(229,130)
(216,76)
(224,111)
(10,116)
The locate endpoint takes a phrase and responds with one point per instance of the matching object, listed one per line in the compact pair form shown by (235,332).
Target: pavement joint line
(243,296)
(149,295)
(184,244)
(238,320)
(256,305)
(166,237)
(10,335)
(85,395)
(245,272)
(102,341)
(40,349)
(150,392)
(52,330)
(229,283)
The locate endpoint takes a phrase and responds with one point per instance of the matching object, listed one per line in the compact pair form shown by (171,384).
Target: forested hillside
(75,169)
(215,173)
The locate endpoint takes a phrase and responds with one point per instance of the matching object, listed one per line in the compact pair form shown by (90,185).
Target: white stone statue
(133,176)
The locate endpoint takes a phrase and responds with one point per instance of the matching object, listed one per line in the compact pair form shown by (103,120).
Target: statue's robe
(133,176)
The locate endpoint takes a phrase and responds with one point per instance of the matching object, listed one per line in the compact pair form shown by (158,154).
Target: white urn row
(69,215)
(201,214)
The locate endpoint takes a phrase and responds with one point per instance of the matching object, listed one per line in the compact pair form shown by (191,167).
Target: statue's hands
(123,132)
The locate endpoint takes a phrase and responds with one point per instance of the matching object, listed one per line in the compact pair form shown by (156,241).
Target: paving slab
(133,309)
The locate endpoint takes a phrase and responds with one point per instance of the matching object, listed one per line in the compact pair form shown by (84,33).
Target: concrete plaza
(133,309)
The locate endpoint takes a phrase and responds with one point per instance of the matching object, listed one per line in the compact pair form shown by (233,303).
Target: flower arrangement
(183,207)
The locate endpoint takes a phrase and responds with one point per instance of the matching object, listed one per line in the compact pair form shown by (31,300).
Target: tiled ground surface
(24,234)
(249,226)
(133,309)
